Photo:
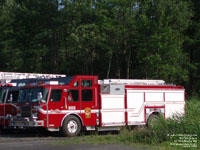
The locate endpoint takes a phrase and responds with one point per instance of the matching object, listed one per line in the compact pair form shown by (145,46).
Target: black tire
(153,121)
(71,126)
(1,129)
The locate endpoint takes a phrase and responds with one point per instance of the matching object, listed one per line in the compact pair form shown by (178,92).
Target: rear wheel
(1,129)
(71,126)
(153,121)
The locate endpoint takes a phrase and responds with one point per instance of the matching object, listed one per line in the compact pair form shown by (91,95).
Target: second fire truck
(85,102)
(11,82)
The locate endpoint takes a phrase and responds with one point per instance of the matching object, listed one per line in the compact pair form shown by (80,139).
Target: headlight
(34,114)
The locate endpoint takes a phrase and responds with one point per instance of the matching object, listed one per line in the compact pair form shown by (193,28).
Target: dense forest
(137,39)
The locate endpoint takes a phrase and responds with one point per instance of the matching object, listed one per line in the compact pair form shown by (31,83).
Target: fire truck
(8,99)
(85,102)
(9,91)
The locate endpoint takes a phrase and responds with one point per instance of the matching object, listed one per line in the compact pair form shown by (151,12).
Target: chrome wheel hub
(72,126)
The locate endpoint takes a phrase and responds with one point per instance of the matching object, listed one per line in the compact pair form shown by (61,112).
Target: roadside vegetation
(175,133)
(170,134)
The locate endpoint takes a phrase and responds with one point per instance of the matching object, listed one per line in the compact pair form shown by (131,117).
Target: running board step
(53,129)
(108,128)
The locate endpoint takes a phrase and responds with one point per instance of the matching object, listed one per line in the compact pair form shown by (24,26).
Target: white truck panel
(113,118)
(112,111)
(112,101)
(174,109)
(174,96)
(135,99)
(134,118)
(135,106)
(155,96)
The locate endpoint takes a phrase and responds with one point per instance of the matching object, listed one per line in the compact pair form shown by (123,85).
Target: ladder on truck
(6,77)
(117,86)
(132,82)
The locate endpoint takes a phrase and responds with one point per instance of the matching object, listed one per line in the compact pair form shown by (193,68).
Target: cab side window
(12,97)
(86,83)
(87,95)
(2,96)
(73,95)
(56,95)
(76,84)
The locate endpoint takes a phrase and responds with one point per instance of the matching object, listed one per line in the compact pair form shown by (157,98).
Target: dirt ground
(36,141)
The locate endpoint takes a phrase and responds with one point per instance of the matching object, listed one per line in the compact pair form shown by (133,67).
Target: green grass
(161,136)
(168,131)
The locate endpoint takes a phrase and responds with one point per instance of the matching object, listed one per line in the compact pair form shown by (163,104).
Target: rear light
(39,123)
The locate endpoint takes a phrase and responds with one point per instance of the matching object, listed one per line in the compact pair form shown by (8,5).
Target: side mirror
(39,97)
(69,96)
(11,98)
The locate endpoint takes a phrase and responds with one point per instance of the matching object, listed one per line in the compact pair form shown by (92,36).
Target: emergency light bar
(8,84)
(134,81)
(51,83)
(48,83)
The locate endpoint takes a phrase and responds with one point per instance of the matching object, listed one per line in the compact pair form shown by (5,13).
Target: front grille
(26,111)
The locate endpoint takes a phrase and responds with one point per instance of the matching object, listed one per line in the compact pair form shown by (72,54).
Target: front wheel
(71,126)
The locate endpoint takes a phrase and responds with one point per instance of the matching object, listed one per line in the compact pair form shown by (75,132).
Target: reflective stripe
(56,111)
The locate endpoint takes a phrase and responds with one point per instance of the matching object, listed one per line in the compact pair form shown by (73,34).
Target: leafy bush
(166,130)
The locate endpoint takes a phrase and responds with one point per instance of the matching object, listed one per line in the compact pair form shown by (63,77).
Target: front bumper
(25,122)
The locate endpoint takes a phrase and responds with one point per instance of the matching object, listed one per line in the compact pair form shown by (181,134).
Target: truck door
(56,104)
(89,100)
(3,93)
(73,98)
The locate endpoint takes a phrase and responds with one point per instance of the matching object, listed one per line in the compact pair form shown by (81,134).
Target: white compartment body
(136,105)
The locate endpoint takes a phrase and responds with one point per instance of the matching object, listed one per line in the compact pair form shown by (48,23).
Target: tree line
(144,39)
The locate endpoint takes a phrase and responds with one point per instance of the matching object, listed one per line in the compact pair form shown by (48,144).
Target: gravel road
(35,141)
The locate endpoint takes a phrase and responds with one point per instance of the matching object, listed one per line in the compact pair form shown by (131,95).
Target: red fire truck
(9,91)
(84,102)
(8,99)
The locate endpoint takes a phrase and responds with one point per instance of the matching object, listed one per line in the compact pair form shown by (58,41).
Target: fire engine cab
(84,102)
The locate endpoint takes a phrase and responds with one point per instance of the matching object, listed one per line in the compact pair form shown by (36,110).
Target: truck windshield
(31,95)
(2,95)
